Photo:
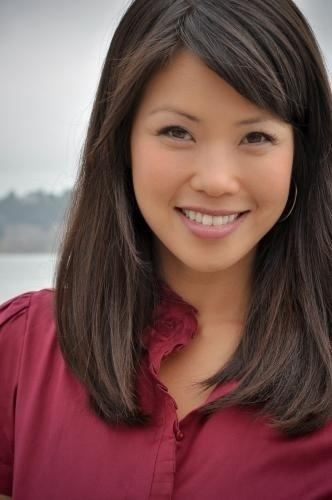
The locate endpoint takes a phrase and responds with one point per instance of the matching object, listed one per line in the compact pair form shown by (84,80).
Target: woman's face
(207,162)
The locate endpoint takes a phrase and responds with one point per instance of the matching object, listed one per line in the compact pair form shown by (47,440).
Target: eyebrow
(247,121)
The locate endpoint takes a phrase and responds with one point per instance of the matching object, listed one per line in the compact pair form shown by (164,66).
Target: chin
(209,266)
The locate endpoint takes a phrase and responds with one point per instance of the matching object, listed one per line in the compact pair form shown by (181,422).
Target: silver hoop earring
(293,205)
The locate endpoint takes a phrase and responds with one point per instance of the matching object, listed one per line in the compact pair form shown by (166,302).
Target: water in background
(24,272)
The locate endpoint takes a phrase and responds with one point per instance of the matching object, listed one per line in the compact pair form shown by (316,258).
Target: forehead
(185,73)
(187,83)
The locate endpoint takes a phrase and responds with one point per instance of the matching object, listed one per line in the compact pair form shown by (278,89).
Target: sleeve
(13,321)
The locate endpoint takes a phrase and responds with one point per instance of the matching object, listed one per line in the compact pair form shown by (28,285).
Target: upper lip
(212,212)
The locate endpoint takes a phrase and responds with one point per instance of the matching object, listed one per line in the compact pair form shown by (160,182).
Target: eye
(173,132)
(259,135)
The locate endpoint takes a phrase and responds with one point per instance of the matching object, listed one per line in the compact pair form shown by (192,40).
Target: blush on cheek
(148,180)
(276,174)
(156,169)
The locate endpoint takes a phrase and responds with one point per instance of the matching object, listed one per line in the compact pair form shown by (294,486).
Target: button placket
(179,436)
(177,432)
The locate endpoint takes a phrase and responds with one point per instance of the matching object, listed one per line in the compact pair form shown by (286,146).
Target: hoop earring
(293,205)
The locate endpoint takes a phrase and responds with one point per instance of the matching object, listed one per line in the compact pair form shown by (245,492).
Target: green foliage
(36,208)
(32,223)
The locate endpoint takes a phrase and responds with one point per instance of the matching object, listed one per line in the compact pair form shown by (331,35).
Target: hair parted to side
(105,281)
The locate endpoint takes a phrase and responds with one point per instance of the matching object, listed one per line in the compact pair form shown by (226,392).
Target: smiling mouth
(207,220)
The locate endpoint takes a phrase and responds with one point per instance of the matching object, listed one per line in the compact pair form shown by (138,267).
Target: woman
(185,350)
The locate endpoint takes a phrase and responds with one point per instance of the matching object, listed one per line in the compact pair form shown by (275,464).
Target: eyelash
(164,131)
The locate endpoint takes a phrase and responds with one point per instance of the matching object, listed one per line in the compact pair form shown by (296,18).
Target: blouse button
(179,436)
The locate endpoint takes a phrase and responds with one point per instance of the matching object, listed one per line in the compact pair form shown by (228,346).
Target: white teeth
(199,217)
(209,220)
(218,220)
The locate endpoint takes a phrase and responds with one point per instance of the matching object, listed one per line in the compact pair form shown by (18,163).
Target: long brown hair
(105,282)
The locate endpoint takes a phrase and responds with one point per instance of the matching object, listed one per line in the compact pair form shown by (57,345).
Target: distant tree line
(33,222)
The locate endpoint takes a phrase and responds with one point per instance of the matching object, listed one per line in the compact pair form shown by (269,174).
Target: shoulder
(25,321)
(17,309)
(25,313)
(20,303)
(13,309)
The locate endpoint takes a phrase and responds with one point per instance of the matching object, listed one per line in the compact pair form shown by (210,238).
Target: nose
(216,173)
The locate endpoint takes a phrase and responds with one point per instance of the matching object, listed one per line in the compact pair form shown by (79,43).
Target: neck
(220,298)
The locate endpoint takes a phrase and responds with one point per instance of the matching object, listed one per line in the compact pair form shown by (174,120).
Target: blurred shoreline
(32,223)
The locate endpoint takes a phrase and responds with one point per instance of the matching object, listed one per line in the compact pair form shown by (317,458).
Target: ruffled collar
(174,324)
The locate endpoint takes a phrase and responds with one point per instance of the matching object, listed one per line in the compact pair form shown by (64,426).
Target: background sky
(51,55)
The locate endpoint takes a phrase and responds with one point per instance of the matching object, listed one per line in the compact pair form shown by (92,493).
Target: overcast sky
(51,55)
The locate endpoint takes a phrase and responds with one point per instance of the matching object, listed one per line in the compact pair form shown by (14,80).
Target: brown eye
(173,132)
(258,136)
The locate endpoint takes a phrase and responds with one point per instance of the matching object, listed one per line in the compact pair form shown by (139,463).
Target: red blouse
(52,446)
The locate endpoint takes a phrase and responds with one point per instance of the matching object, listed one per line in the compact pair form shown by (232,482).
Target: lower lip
(211,232)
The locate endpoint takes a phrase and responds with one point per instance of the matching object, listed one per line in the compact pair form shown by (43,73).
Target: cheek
(154,174)
(274,175)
